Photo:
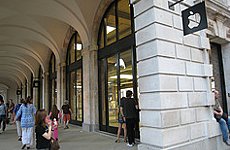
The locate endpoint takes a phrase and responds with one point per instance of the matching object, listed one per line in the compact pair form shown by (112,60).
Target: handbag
(54,144)
(7,120)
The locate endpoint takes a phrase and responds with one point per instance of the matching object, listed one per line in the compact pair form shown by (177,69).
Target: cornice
(215,7)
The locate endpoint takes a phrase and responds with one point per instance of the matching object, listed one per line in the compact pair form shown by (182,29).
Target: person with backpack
(18,121)
(3,114)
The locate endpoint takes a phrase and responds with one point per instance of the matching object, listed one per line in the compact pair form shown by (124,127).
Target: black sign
(194,18)
(19,92)
(36,83)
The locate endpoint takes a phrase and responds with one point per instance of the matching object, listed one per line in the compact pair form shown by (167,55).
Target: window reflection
(126,77)
(124,20)
(110,22)
(73,96)
(74,73)
(78,88)
(112,90)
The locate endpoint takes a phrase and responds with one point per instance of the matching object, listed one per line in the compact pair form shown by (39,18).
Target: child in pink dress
(55,129)
(54,116)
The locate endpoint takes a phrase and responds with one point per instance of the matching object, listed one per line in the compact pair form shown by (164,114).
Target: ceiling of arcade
(30,30)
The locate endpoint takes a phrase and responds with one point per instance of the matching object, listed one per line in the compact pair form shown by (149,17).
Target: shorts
(66,117)
(121,120)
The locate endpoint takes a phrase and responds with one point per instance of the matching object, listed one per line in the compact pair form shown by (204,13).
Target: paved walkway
(70,139)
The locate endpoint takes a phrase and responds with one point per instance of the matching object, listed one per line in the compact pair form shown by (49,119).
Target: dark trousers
(3,119)
(130,124)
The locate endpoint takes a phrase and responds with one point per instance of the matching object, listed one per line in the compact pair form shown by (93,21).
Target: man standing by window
(129,108)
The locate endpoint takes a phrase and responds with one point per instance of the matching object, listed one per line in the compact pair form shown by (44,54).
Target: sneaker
(19,138)
(130,145)
(227,142)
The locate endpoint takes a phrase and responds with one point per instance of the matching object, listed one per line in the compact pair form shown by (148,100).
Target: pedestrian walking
(18,121)
(3,114)
(121,122)
(66,114)
(27,112)
(54,116)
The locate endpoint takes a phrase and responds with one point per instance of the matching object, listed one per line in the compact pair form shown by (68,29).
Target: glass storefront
(74,79)
(52,82)
(40,92)
(117,67)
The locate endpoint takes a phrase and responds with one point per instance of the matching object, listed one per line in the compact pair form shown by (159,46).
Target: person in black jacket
(129,108)
(43,130)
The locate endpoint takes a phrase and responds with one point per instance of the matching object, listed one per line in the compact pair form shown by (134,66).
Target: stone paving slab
(70,139)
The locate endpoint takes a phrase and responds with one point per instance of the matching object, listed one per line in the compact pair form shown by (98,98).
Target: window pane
(73,95)
(79,95)
(72,51)
(126,77)
(112,91)
(110,23)
(78,47)
(102,90)
(52,63)
(54,92)
(124,19)
(101,37)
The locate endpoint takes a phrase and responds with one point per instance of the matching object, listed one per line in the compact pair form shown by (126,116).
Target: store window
(74,78)
(117,62)
(40,92)
(52,82)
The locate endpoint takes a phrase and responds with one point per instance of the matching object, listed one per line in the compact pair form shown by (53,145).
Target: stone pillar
(63,83)
(46,90)
(59,83)
(90,86)
(23,91)
(173,74)
(28,88)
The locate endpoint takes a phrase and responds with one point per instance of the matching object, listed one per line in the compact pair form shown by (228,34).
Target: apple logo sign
(194,20)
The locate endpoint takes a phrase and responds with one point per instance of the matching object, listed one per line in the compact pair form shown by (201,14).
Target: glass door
(116,76)
(76,101)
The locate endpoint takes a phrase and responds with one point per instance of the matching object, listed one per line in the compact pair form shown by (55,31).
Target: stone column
(90,87)
(175,96)
(59,83)
(63,83)
(28,88)
(46,90)
(23,91)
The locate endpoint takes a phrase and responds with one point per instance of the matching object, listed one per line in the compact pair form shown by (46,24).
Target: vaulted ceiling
(30,30)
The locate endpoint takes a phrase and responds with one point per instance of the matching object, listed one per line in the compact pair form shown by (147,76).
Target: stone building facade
(172,75)
(176,94)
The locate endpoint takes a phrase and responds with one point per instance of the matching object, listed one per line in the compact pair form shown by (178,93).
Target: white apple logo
(194,20)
